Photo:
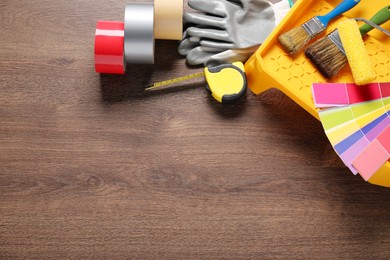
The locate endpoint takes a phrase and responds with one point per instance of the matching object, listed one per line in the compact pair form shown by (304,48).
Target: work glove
(228,30)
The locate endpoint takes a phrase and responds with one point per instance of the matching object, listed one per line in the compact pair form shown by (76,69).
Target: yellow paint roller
(356,52)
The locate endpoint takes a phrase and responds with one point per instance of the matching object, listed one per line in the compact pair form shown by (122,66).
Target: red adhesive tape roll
(109,47)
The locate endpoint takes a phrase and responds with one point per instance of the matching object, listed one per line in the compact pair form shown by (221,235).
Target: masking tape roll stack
(109,54)
(139,33)
(133,41)
(169,19)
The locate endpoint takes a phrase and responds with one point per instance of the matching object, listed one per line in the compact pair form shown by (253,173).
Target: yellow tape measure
(173,81)
(226,82)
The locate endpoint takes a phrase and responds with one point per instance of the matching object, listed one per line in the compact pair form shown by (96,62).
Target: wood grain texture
(91,167)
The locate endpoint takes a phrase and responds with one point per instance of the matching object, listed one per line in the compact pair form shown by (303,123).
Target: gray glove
(228,30)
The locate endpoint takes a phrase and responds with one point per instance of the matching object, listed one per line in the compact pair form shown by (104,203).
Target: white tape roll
(139,33)
(169,19)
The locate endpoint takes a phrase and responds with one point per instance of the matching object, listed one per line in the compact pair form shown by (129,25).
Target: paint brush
(328,54)
(294,40)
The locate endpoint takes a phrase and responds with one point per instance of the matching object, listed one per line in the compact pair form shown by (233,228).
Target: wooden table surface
(92,167)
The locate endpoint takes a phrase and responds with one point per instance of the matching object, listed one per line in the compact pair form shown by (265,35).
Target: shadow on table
(121,88)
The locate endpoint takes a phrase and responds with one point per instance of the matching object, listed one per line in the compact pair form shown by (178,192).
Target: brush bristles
(326,57)
(294,40)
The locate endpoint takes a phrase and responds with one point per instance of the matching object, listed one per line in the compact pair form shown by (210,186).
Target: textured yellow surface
(356,52)
(271,67)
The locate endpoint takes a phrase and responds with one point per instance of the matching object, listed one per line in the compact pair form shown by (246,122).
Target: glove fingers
(281,9)
(198,56)
(218,44)
(190,43)
(212,49)
(208,33)
(211,7)
(257,5)
(186,46)
(231,56)
(194,40)
(203,19)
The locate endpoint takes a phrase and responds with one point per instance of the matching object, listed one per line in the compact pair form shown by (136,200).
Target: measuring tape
(226,82)
(175,80)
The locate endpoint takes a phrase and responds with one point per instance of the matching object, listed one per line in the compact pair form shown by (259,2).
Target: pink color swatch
(341,94)
(374,155)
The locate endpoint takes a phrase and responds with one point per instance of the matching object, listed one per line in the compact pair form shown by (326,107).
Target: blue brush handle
(341,8)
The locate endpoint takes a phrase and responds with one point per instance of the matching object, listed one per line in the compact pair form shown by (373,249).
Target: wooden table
(92,167)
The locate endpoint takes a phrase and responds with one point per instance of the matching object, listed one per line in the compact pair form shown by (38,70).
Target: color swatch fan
(356,120)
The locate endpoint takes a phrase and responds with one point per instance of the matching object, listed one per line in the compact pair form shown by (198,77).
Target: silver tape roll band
(139,33)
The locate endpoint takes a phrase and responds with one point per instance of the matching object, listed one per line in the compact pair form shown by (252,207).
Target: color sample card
(355,118)
(386,103)
(370,131)
(341,94)
(384,139)
(341,122)
(374,156)
(353,146)
(350,146)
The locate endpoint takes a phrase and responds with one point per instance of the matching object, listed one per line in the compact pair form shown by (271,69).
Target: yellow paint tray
(271,67)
